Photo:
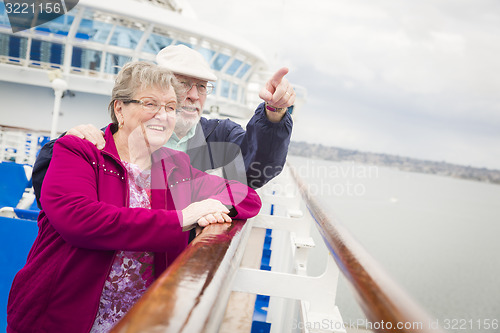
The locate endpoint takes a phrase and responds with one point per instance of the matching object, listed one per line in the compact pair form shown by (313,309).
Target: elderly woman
(113,220)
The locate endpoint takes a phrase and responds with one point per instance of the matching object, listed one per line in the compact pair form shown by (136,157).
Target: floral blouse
(132,272)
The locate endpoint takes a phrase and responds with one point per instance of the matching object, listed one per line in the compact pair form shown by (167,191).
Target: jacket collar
(168,158)
(208,126)
(110,146)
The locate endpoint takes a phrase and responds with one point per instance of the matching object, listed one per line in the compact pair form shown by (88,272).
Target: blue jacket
(263,146)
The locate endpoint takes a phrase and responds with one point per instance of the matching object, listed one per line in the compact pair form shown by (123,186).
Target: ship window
(35,53)
(243,70)
(234,66)
(42,30)
(94,30)
(207,54)
(126,37)
(56,53)
(183,43)
(47,52)
(115,62)
(59,26)
(15,46)
(224,89)
(234,92)
(4,20)
(155,43)
(4,44)
(220,61)
(86,59)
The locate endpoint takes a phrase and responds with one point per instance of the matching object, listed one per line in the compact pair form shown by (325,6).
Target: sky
(410,78)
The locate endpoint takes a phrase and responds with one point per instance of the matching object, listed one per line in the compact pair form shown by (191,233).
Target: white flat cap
(183,60)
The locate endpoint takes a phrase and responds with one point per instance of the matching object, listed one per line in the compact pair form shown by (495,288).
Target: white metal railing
(291,287)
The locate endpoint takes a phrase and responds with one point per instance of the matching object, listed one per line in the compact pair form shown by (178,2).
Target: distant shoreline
(336,154)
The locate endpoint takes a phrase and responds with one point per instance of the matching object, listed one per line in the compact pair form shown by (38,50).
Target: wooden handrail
(386,306)
(187,296)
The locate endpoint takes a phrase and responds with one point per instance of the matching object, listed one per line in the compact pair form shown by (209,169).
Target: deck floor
(240,308)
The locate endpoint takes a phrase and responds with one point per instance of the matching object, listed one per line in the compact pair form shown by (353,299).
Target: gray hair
(138,75)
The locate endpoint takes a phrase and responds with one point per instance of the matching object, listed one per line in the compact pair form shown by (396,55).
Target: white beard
(184,124)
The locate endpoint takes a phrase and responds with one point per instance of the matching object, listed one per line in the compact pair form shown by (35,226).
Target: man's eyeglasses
(203,88)
(152,106)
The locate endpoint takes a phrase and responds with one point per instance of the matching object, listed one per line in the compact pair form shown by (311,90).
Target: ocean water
(437,237)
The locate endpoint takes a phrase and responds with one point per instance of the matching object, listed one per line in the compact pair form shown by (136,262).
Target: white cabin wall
(31,107)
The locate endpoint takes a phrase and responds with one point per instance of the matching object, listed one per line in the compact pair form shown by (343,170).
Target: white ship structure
(60,74)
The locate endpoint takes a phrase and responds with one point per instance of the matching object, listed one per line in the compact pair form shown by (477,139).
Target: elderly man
(213,145)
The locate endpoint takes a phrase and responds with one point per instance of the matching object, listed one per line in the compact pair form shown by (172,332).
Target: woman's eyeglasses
(152,106)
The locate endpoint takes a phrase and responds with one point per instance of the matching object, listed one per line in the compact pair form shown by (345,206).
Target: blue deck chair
(13,182)
(16,238)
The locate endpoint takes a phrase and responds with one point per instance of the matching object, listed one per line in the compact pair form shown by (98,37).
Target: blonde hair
(139,75)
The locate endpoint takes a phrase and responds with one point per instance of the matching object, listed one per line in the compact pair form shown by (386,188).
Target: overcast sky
(412,78)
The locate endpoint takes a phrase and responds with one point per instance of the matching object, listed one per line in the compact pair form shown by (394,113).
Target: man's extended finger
(267,92)
(275,80)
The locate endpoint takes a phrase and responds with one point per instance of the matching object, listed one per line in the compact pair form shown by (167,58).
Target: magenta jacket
(86,219)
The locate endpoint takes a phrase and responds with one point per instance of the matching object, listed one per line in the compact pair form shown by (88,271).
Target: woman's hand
(205,212)
(213,218)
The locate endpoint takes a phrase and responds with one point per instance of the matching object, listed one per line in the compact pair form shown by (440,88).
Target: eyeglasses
(203,88)
(152,106)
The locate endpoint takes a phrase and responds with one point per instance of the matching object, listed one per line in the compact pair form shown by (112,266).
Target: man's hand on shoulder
(90,133)
(278,94)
